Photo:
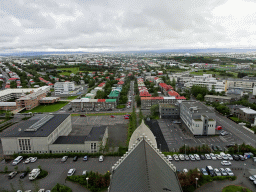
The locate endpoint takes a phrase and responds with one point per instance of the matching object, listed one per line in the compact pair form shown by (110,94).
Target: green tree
(200,97)
(13,84)
(154,109)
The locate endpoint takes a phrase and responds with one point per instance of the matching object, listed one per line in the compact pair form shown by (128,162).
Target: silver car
(217,172)
(223,172)
(192,157)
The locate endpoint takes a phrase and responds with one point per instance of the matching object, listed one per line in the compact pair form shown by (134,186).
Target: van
(210,170)
(17,160)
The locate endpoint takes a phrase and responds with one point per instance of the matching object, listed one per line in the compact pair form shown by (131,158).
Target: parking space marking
(217,139)
(194,140)
(223,139)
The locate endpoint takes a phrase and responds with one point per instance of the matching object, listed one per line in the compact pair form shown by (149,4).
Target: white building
(208,81)
(198,118)
(50,134)
(63,88)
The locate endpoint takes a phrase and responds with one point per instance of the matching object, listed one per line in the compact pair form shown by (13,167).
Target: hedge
(121,152)
(61,188)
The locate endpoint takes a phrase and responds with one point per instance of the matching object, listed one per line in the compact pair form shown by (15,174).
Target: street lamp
(87,178)
(196,182)
(244,169)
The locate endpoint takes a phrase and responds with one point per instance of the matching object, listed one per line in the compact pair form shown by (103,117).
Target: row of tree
(197,149)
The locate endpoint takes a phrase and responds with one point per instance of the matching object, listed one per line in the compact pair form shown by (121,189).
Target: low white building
(63,88)
(198,118)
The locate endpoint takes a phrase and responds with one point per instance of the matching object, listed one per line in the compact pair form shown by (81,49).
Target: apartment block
(63,88)
(217,98)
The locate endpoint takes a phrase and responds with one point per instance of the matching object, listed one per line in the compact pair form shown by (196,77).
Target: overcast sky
(123,25)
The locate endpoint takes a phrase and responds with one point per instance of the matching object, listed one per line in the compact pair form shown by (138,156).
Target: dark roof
(70,140)
(96,133)
(17,130)
(143,170)
(235,106)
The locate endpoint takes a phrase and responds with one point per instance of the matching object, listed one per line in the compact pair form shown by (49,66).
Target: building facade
(198,118)
(63,88)
(217,98)
(169,111)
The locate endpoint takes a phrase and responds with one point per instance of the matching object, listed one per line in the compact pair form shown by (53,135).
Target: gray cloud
(123,25)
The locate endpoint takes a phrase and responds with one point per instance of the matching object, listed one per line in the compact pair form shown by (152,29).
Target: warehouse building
(198,118)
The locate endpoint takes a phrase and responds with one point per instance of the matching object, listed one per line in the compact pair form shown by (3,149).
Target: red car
(82,115)
(112,116)
(126,117)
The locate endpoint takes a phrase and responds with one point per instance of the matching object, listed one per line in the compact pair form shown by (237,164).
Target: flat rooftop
(196,107)
(18,130)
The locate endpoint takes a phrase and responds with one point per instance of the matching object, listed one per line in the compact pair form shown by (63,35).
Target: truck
(33,174)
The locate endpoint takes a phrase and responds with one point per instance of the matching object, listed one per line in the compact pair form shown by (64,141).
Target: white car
(225,163)
(71,172)
(254,182)
(208,157)
(176,158)
(182,158)
(230,157)
(218,156)
(197,157)
(101,158)
(192,157)
(229,172)
(217,172)
(33,160)
(213,156)
(169,157)
(185,171)
(223,172)
(41,190)
(84,172)
(252,178)
(28,160)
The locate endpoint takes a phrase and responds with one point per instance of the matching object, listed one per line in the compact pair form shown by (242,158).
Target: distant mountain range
(210,50)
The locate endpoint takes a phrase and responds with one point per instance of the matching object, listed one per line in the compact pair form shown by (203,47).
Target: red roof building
(173,93)
(180,98)
(145,94)
(120,83)
(101,100)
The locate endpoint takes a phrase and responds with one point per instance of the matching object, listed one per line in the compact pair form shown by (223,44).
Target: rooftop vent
(39,123)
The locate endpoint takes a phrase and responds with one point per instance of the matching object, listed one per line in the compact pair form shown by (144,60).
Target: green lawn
(100,114)
(211,72)
(234,188)
(47,107)
(73,69)
(72,97)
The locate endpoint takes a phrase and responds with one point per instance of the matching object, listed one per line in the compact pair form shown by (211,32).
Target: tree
(137,99)
(154,109)
(13,84)
(200,97)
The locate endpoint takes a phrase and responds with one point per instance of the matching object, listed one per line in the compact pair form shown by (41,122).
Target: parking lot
(176,136)
(57,171)
(117,127)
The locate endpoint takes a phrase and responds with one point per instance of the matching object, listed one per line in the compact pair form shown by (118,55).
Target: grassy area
(120,106)
(72,97)
(101,114)
(211,72)
(3,111)
(73,70)
(234,188)
(47,108)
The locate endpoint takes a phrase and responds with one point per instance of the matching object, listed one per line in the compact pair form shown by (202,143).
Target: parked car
(210,170)
(169,157)
(12,174)
(202,157)
(23,175)
(229,172)
(223,172)
(71,172)
(224,133)
(34,159)
(204,172)
(208,157)
(85,158)
(230,145)
(181,157)
(214,148)
(84,172)
(236,157)
(217,172)
(218,156)
(176,158)
(197,157)
(28,160)
(186,157)
(230,157)
(64,159)
(112,116)
(185,171)
(241,157)
(252,178)
(75,158)
(219,148)
(41,190)
(101,158)
(224,156)
(192,157)
(225,163)
(213,156)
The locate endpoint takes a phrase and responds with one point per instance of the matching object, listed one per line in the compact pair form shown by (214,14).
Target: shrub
(61,188)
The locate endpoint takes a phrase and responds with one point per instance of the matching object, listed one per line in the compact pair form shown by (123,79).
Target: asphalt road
(57,171)
(244,135)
